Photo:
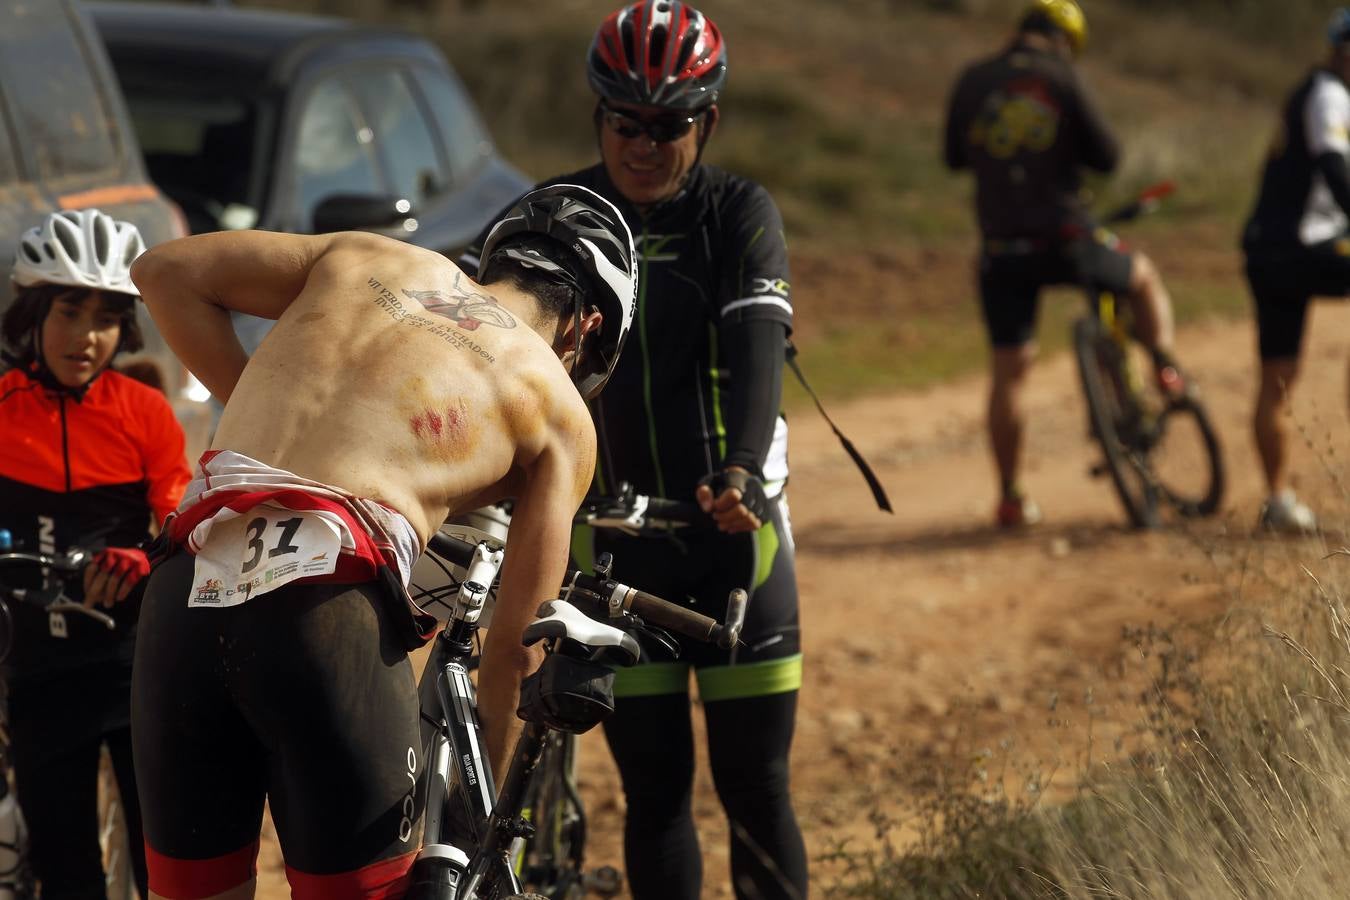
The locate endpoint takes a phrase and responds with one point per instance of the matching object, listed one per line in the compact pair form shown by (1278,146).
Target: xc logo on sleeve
(775,286)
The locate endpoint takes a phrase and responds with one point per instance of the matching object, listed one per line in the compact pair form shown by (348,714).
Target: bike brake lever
(64,605)
(665,642)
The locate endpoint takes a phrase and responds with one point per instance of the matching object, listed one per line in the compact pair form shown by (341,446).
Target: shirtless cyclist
(393,392)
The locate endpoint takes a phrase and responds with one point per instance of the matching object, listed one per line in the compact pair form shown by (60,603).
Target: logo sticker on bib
(261,550)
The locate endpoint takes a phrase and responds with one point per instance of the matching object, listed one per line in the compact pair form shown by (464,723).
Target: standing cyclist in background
(87,457)
(1024,124)
(693,412)
(1297,248)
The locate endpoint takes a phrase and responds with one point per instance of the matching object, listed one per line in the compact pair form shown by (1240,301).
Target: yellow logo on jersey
(1021,119)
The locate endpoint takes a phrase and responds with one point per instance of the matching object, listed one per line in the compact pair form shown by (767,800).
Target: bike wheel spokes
(1119,422)
(1186,459)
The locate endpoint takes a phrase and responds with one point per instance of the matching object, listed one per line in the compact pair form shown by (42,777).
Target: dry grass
(1235,784)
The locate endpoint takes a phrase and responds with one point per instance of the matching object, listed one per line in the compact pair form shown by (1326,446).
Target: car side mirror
(353,212)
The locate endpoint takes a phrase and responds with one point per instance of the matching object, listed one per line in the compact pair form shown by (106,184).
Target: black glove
(751,488)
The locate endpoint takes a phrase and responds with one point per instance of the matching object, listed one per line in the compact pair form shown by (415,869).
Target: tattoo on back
(466,309)
(464,306)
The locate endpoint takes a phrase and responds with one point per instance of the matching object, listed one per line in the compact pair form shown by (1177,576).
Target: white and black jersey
(1296,204)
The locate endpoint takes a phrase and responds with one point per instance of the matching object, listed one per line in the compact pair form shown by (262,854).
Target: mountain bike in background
(1161,452)
(16,876)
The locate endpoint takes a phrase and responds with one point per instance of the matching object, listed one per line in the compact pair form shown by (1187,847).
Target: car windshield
(199,147)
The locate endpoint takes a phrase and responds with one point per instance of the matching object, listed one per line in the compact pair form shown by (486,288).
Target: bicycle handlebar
(632,512)
(1145,202)
(616,599)
(69,563)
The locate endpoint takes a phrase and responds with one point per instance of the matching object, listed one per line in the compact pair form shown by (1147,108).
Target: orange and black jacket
(84,469)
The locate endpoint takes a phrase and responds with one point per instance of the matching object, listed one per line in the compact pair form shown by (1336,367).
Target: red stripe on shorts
(384,880)
(193,879)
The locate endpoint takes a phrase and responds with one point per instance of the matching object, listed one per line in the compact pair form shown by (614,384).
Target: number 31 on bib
(261,550)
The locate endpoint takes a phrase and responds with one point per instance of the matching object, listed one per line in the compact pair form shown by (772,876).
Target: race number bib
(261,550)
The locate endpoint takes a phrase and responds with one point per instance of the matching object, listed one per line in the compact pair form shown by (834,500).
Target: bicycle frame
(1118,328)
(470,829)
(462,846)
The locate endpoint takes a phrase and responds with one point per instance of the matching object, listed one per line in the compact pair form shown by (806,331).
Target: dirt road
(929,634)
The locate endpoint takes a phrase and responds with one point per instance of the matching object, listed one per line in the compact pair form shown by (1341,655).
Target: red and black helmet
(658,53)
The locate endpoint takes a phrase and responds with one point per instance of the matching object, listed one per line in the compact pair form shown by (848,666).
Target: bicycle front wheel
(1186,460)
(552,857)
(1115,417)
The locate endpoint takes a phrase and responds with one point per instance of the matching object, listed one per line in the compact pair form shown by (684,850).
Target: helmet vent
(33,255)
(687,49)
(70,243)
(658,42)
(629,44)
(101,238)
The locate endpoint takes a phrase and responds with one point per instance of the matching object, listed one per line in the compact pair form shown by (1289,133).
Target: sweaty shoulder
(548,418)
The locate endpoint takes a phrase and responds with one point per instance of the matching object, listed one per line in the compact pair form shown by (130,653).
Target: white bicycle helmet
(83,248)
(588,233)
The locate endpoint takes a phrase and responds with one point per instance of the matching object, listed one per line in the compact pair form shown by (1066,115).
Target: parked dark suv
(253,118)
(66,143)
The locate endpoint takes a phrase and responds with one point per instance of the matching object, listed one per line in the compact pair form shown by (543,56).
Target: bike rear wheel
(1186,460)
(1116,420)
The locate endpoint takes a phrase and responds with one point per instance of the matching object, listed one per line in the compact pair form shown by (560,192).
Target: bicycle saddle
(560,619)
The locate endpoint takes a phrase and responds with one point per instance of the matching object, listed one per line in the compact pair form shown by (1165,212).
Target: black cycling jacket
(86,471)
(1024,124)
(714,275)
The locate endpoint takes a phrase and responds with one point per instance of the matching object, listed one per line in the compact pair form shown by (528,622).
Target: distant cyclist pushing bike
(1297,246)
(88,458)
(1023,122)
(273,661)
(693,412)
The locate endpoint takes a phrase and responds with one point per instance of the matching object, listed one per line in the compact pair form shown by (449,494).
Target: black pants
(748,739)
(56,781)
(749,701)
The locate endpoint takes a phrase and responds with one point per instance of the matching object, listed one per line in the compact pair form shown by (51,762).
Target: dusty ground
(928,634)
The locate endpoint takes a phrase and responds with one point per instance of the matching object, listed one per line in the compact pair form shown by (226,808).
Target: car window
(51,94)
(198,145)
(333,150)
(402,134)
(466,141)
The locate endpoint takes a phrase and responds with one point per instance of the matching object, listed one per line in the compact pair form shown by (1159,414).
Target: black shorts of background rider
(1283,280)
(1011,279)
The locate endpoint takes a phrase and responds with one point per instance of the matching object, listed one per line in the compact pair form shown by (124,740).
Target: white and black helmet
(82,248)
(593,239)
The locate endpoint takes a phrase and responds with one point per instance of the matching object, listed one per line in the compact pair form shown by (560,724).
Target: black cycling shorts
(303,696)
(1010,283)
(1283,280)
(699,567)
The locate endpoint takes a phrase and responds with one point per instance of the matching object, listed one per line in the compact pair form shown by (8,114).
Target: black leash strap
(878,492)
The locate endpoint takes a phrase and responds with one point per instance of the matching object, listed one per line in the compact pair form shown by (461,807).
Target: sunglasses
(662,129)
